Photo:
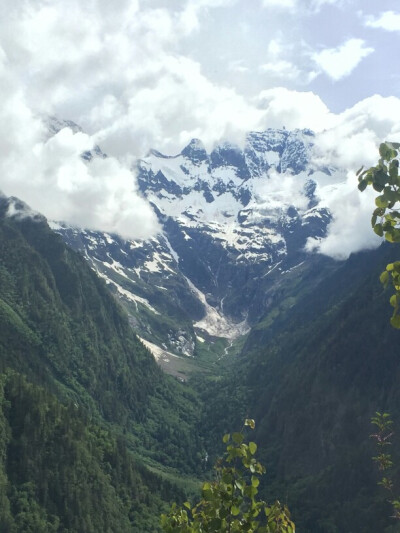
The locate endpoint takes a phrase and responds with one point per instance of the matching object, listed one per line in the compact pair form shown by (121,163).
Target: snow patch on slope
(214,322)
(158,353)
(128,294)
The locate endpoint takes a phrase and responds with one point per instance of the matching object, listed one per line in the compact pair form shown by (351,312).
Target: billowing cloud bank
(115,71)
(50,175)
(120,71)
(350,141)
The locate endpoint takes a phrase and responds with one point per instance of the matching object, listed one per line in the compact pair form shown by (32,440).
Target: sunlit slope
(61,327)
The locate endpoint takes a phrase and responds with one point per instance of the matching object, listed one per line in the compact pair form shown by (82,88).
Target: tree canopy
(229,503)
(385,221)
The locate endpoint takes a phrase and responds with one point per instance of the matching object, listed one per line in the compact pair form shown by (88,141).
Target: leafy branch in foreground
(385,221)
(384,423)
(229,504)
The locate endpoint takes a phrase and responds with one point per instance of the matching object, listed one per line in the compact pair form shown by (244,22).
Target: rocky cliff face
(234,226)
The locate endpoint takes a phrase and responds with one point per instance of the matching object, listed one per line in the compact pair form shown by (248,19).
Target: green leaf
(379,212)
(359,171)
(226,477)
(388,226)
(394,169)
(252,447)
(255,481)
(363,185)
(383,148)
(390,195)
(386,152)
(378,229)
(381,201)
(239,485)
(237,437)
(381,178)
(215,524)
(377,187)
(392,235)
(226,438)
(250,422)
(395,321)
(235,510)
(384,277)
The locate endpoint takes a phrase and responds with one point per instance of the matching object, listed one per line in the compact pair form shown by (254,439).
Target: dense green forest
(313,381)
(94,437)
(62,328)
(93,406)
(60,472)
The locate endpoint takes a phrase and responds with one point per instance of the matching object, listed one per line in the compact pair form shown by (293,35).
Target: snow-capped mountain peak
(233,220)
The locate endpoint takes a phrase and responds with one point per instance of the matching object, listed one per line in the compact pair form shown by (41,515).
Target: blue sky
(339,50)
(165,67)
(137,74)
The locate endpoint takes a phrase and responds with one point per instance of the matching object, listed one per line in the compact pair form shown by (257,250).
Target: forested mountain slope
(63,330)
(233,224)
(312,381)
(312,372)
(61,472)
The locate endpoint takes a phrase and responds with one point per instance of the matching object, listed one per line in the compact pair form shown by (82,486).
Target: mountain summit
(234,226)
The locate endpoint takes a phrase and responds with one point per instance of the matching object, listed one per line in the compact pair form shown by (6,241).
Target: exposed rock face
(230,219)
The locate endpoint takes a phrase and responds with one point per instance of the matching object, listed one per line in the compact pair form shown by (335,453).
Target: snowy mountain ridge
(241,198)
(234,226)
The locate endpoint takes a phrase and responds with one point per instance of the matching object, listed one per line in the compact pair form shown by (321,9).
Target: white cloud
(211,3)
(350,231)
(281,69)
(346,141)
(341,61)
(317,4)
(176,104)
(293,109)
(59,184)
(388,20)
(275,48)
(123,70)
(280,4)
(278,192)
(287,62)
(117,72)
(49,173)
(352,140)
(306,6)
(238,66)
(122,77)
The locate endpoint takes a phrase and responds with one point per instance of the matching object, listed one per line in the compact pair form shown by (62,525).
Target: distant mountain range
(234,223)
(312,352)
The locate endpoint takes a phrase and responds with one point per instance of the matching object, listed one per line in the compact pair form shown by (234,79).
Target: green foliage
(385,221)
(67,450)
(312,385)
(384,425)
(230,503)
(61,472)
(61,327)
